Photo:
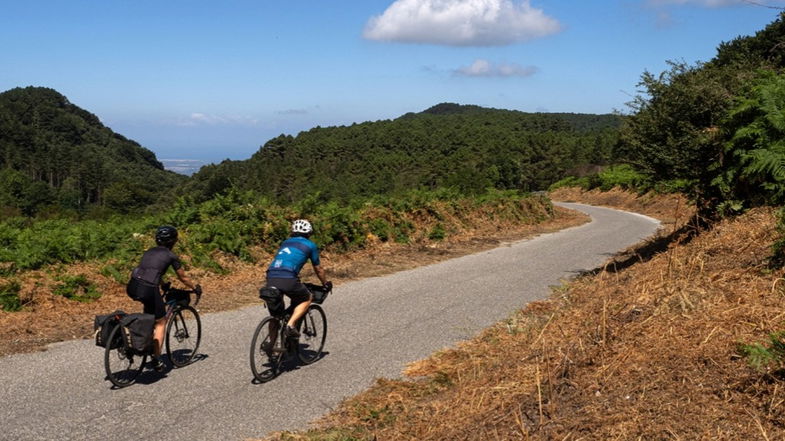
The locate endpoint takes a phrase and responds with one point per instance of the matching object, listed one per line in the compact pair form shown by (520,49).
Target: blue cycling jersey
(291,257)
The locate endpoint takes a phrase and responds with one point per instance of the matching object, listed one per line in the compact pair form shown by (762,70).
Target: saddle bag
(274,299)
(103,326)
(138,332)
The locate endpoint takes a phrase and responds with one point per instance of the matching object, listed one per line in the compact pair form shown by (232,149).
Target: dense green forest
(467,148)
(56,157)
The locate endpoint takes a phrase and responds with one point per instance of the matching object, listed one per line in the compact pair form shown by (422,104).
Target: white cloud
(204,119)
(484,68)
(460,22)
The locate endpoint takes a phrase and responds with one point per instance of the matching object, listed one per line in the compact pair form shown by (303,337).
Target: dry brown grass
(649,353)
(48,318)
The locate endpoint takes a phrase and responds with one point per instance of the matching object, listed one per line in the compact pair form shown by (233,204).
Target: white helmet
(302,226)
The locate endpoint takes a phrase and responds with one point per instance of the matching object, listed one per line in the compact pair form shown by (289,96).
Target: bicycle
(270,346)
(123,364)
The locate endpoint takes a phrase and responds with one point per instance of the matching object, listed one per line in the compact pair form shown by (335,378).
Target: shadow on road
(650,248)
(150,376)
(291,364)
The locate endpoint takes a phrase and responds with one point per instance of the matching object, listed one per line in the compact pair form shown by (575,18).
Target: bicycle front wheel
(267,349)
(183,333)
(313,332)
(121,364)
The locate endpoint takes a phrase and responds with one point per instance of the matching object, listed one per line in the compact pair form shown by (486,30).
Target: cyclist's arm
(185,279)
(320,274)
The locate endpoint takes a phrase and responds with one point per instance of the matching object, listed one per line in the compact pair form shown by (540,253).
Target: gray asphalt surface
(375,327)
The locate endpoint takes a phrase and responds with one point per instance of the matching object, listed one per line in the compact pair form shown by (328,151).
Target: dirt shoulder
(48,318)
(646,352)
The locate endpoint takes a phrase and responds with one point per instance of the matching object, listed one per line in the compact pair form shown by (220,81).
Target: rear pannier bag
(138,332)
(274,299)
(103,326)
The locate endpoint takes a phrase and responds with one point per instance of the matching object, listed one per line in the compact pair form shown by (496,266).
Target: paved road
(377,326)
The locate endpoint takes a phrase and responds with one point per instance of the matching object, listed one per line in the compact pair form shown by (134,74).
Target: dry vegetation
(644,353)
(48,318)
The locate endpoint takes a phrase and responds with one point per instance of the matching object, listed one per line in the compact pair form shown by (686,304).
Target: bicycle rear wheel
(267,349)
(313,332)
(183,333)
(122,365)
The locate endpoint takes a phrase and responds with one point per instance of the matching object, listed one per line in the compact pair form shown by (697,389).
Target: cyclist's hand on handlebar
(328,285)
(198,289)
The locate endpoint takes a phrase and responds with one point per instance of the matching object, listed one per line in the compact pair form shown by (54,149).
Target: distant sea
(183,166)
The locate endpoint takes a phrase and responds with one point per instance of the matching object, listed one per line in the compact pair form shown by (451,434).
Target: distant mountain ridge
(466,147)
(54,153)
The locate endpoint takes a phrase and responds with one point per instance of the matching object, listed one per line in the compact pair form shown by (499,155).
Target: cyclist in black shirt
(145,282)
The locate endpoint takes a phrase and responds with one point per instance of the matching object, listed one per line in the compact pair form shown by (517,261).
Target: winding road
(376,327)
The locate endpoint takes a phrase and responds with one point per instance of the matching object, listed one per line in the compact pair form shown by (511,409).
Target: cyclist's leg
(300,298)
(298,294)
(158,335)
(153,303)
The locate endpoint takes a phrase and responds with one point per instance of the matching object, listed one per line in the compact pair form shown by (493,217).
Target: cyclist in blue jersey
(284,273)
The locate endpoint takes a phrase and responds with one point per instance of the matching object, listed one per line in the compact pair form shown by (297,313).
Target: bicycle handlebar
(328,288)
(167,287)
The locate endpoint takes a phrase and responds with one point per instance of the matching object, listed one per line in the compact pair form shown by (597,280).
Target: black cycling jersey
(154,264)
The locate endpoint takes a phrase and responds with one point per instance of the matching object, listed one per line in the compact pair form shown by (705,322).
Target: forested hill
(55,155)
(469,148)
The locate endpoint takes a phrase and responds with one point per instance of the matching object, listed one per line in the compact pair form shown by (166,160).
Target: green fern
(762,357)
(754,168)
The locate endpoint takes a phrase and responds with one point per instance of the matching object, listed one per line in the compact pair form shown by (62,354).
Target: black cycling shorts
(292,288)
(149,295)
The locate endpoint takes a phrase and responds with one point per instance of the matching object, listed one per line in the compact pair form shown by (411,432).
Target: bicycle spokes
(180,329)
(309,328)
(183,333)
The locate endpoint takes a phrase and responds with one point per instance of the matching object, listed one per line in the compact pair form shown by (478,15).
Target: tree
(674,133)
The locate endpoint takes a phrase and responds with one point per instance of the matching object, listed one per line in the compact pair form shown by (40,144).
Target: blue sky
(213,80)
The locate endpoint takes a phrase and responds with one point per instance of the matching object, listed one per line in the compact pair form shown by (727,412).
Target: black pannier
(274,299)
(138,332)
(103,326)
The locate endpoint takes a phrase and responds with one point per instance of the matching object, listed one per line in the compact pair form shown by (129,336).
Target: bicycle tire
(183,334)
(313,333)
(120,361)
(266,351)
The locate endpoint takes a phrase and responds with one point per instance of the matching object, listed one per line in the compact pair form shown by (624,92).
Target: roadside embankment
(646,352)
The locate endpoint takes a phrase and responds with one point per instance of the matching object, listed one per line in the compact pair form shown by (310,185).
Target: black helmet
(166,235)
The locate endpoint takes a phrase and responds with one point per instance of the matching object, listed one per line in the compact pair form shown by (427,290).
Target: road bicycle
(271,346)
(183,334)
